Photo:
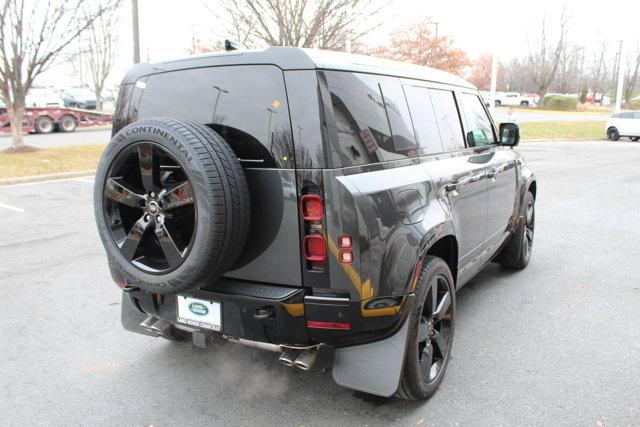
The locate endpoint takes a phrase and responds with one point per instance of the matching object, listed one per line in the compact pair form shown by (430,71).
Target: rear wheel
(635,138)
(67,124)
(524,103)
(613,134)
(44,124)
(430,333)
(498,103)
(517,253)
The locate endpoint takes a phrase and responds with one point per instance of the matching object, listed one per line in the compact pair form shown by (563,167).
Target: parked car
(288,199)
(513,99)
(42,98)
(78,97)
(625,124)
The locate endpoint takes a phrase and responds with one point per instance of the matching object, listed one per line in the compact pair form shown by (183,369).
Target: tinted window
(480,130)
(361,120)
(636,115)
(424,119)
(247,105)
(404,140)
(444,105)
(626,115)
(306,119)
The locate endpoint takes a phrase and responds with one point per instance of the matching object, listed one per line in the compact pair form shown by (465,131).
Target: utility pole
(579,91)
(436,40)
(136,32)
(620,80)
(494,79)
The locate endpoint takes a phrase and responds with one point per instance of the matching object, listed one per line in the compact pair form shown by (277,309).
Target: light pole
(136,32)
(620,80)
(581,68)
(494,80)
(215,106)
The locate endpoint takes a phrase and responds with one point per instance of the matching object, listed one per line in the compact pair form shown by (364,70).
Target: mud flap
(373,368)
(131,316)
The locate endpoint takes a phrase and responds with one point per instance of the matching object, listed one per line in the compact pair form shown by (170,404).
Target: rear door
(501,173)
(458,173)
(635,131)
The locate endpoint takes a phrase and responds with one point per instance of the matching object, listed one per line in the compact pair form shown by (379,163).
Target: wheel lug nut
(153,194)
(147,217)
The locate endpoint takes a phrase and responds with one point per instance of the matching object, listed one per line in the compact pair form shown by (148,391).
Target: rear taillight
(312,207)
(314,247)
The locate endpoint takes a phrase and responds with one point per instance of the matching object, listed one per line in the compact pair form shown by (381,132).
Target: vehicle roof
(293,58)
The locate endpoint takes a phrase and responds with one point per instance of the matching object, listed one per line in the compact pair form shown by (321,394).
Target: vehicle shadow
(231,376)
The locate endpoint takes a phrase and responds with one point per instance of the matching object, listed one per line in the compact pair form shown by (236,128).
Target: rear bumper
(267,313)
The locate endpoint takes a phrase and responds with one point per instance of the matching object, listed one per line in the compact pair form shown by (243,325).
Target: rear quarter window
(363,107)
(246,105)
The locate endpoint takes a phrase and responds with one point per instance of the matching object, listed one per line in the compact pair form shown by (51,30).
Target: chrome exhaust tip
(148,323)
(287,357)
(160,326)
(305,360)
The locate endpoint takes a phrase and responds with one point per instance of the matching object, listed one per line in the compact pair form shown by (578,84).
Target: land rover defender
(289,199)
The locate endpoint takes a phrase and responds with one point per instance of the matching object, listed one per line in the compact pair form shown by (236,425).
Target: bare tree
(100,49)
(304,23)
(599,78)
(631,75)
(32,35)
(544,57)
(567,73)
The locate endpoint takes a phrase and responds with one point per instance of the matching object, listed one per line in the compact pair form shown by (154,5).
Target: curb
(47,177)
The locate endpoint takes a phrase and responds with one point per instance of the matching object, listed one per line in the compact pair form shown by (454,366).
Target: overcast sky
(477,26)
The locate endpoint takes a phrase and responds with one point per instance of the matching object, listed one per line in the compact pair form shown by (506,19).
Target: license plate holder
(200,313)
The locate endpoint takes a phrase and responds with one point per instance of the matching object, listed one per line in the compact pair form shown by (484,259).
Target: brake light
(327,325)
(312,207)
(314,248)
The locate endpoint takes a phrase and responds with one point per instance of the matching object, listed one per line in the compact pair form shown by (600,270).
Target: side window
(444,105)
(424,119)
(626,115)
(636,115)
(404,140)
(246,105)
(480,130)
(362,121)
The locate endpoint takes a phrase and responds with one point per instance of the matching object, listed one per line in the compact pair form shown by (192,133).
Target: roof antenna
(230,44)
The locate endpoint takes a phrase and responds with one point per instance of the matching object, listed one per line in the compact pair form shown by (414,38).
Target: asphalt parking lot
(558,343)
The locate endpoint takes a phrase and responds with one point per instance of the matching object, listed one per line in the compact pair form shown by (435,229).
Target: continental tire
(171,203)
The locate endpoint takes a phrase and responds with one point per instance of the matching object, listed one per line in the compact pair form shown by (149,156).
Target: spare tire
(171,203)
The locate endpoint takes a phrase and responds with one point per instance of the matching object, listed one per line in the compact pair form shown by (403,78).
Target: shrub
(562,103)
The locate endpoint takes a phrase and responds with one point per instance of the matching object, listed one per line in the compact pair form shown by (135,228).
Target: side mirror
(509,134)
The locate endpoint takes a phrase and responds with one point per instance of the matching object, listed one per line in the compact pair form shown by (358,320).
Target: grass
(49,160)
(562,130)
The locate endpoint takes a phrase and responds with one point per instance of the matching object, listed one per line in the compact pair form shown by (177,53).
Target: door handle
(451,189)
(492,174)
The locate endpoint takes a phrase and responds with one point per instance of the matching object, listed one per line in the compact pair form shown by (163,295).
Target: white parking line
(11,208)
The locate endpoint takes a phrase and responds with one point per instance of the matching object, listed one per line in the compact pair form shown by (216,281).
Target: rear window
(371,118)
(247,105)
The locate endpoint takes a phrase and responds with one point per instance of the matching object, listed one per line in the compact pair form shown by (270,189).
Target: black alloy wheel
(434,329)
(430,333)
(150,208)
(613,134)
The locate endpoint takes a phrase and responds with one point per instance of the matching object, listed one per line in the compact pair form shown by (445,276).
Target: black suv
(288,199)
